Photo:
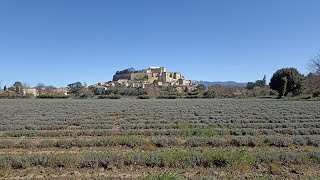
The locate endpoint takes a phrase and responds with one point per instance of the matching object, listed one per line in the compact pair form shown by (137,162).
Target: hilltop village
(153,82)
(147,78)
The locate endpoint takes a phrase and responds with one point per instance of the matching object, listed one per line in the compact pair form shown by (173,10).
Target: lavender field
(177,139)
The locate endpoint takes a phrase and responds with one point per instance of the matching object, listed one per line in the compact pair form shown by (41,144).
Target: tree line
(290,82)
(285,82)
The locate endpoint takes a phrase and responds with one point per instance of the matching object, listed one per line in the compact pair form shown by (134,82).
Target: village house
(62,91)
(31,91)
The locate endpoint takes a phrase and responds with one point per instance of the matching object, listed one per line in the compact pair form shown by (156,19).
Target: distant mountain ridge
(226,83)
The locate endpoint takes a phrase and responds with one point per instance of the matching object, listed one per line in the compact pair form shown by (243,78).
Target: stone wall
(134,76)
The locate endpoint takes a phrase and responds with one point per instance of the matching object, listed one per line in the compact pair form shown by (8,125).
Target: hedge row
(52,96)
(132,141)
(157,159)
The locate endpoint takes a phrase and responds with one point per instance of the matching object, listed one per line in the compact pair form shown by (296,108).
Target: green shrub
(218,159)
(46,144)
(164,142)
(38,160)
(71,143)
(25,144)
(316,93)
(90,160)
(63,144)
(111,96)
(19,162)
(5,161)
(103,97)
(52,96)
(215,142)
(115,96)
(278,141)
(143,97)
(167,97)
(300,141)
(6,144)
(128,141)
(192,96)
(198,131)
(280,157)
(244,141)
(314,156)
(62,160)
(154,159)
(313,141)
(209,94)
(196,141)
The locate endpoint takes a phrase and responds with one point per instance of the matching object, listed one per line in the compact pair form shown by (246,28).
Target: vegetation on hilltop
(126,71)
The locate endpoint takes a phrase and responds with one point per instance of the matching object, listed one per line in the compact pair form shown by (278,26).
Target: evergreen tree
(287,80)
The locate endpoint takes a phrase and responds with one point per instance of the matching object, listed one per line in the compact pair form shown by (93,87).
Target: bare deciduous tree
(314,64)
(26,85)
(43,89)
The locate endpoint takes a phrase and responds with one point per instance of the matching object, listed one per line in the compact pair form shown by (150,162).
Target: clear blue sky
(62,41)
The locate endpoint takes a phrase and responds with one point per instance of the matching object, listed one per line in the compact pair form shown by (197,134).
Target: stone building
(32,91)
(61,91)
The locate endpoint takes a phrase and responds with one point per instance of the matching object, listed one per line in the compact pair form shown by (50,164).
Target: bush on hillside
(143,97)
(112,96)
(52,96)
